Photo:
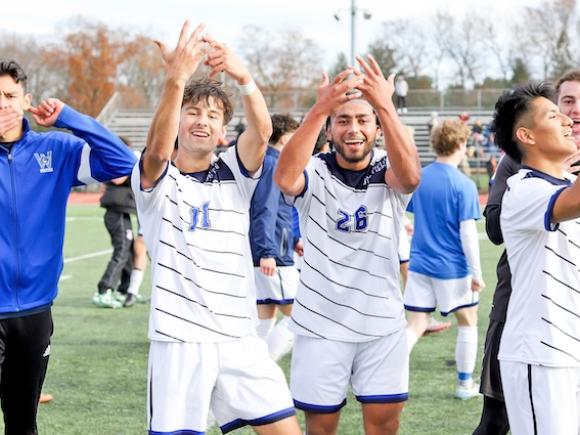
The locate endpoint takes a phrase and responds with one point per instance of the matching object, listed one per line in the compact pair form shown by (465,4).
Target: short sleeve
(528,204)
(246,181)
(469,202)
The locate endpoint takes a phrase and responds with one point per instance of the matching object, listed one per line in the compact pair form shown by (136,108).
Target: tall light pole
(353,12)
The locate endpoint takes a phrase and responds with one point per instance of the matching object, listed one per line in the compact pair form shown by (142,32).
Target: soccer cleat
(467,391)
(130,300)
(106,300)
(120,297)
(435,326)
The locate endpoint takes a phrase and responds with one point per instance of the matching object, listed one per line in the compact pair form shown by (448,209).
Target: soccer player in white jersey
(445,270)
(540,346)
(204,354)
(348,313)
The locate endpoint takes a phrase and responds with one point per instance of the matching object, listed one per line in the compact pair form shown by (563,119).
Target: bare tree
(286,60)
(461,42)
(409,45)
(46,75)
(550,29)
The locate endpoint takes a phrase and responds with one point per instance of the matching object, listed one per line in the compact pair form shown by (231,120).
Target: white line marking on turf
(65,277)
(85,256)
(83,218)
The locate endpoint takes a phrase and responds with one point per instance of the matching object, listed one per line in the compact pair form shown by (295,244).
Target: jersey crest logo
(44,161)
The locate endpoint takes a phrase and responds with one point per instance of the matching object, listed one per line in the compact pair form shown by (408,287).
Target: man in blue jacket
(37,171)
(272,241)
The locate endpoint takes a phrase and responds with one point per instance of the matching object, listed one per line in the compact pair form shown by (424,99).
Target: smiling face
(569,104)
(201,126)
(353,131)
(548,131)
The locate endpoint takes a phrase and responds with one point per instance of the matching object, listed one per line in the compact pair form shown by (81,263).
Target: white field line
(64,277)
(83,218)
(86,256)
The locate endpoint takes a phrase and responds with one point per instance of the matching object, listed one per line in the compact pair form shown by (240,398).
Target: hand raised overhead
(220,58)
(181,63)
(342,89)
(375,88)
(46,113)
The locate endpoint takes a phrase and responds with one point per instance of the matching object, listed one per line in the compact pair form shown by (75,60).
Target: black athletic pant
(24,353)
(119,268)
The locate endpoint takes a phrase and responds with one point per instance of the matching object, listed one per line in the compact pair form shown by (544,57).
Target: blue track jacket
(271,219)
(36,176)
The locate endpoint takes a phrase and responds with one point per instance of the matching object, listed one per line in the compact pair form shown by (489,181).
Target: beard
(351,158)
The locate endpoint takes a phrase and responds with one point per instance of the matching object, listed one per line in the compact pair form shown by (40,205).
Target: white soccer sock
(466,351)
(264,327)
(412,339)
(281,339)
(136,280)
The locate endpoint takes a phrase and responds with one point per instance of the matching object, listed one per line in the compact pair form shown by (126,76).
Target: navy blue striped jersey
(196,232)
(350,221)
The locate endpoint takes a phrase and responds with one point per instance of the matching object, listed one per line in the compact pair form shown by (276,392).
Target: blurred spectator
(402,89)
(433,122)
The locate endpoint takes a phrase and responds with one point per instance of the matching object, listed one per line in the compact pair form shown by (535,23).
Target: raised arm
(289,175)
(253,142)
(404,171)
(104,157)
(180,64)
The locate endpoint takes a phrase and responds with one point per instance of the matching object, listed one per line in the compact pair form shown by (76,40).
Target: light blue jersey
(444,199)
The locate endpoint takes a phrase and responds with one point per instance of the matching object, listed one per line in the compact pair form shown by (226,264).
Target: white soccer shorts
(424,294)
(541,400)
(279,288)
(237,380)
(377,370)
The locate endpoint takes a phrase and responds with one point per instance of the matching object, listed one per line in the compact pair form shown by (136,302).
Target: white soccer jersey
(543,319)
(349,283)
(197,236)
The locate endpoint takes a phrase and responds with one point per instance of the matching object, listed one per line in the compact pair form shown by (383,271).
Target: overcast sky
(225,19)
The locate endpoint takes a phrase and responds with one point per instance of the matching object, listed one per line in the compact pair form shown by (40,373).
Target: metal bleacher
(134,125)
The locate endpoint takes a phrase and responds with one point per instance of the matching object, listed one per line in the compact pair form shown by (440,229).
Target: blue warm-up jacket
(271,219)
(36,175)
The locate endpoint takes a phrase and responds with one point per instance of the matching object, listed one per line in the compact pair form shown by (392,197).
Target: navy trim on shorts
(532,399)
(419,309)
(403,261)
(177,432)
(473,304)
(275,301)
(384,398)
(267,419)
(319,409)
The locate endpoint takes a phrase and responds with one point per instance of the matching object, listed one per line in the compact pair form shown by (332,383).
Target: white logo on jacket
(44,161)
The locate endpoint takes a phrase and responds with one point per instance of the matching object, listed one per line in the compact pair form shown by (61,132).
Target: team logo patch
(44,161)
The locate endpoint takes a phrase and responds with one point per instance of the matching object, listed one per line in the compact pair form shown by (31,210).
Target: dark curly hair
(511,106)
(12,69)
(204,89)
(282,124)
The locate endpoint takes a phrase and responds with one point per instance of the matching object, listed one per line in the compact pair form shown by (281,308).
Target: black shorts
(24,353)
(490,373)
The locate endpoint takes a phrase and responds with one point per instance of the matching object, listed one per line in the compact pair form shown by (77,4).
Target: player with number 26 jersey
(349,285)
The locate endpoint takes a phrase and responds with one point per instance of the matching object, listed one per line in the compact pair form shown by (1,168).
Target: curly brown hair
(282,124)
(197,90)
(448,136)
